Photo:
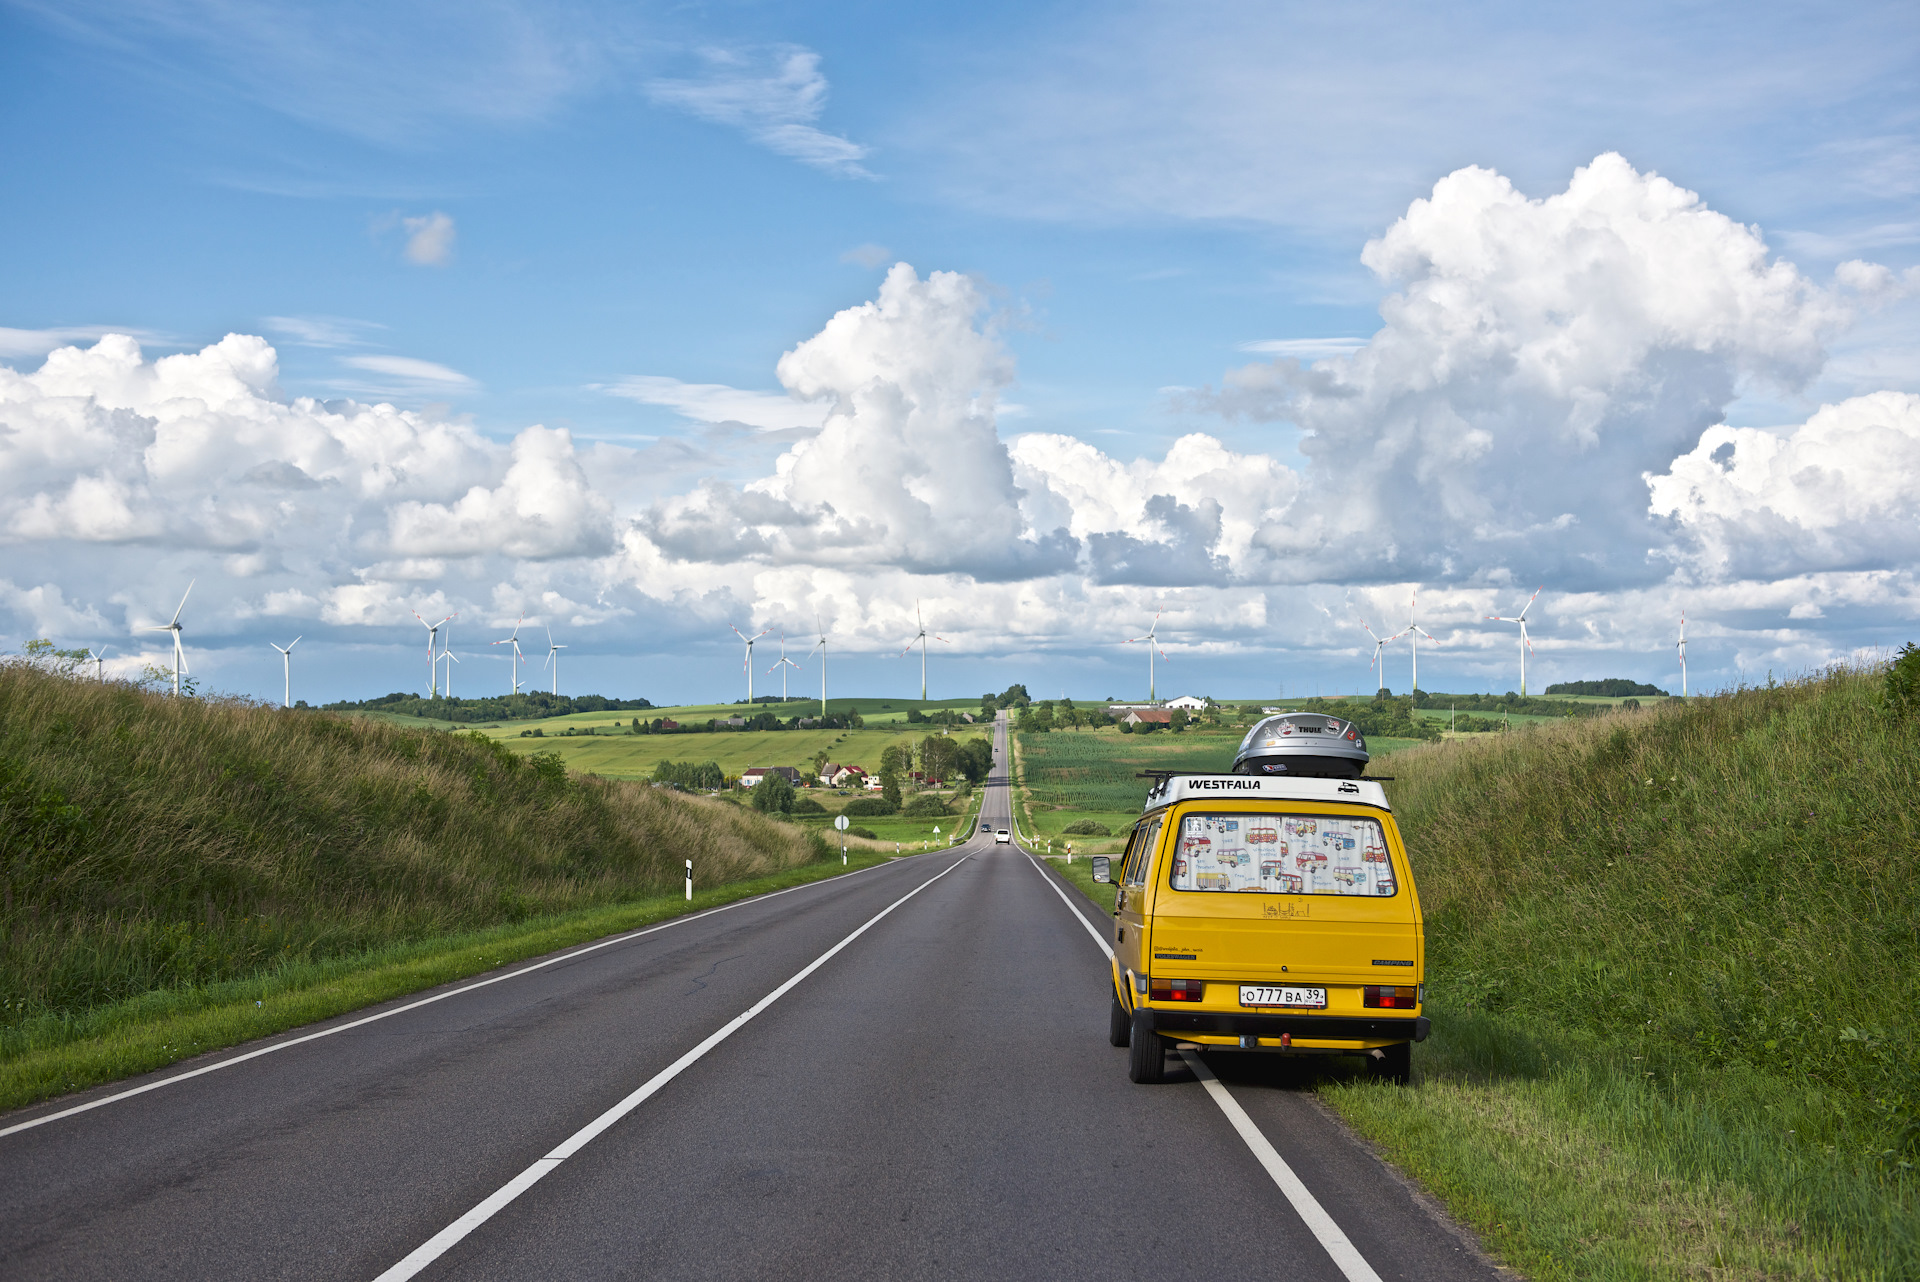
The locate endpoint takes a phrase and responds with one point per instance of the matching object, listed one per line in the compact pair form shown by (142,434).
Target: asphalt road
(935,1099)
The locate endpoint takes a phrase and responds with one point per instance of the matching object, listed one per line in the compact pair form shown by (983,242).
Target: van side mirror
(1102,868)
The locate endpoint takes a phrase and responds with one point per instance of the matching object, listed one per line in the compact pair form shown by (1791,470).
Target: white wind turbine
(1380,672)
(513,639)
(748,662)
(1416,631)
(1153,643)
(782,666)
(1681,645)
(921,641)
(99,658)
(179,652)
(821,646)
(433,660)
(451,658)
(553,658)
(286,656)
(1526,644)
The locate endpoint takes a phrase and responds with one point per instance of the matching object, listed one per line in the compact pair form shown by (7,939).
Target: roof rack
(1164,775)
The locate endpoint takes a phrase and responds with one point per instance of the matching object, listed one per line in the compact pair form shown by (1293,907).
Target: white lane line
(437,1245)
(115,1098)
(1098,938)
(1345,1255)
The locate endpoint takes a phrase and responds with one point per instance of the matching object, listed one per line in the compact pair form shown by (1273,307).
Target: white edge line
(568,955)
(1345,1255)
(437,1245)
(1105,947)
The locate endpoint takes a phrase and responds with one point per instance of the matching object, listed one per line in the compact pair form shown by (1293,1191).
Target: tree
(1177,721)
(976,760)
(939,756)
(773,794)
(819,761)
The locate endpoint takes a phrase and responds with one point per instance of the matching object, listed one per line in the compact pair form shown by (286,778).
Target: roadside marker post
(840,822)
(689,879)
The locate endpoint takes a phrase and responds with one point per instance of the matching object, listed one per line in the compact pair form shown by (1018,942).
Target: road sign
(840,822)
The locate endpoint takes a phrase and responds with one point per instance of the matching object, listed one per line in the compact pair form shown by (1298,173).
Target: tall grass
(149,843)
(1678,950)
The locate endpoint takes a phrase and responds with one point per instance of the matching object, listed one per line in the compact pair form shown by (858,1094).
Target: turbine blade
(183,601)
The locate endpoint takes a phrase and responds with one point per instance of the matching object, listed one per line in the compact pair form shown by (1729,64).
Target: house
(754,774)
(872,783)
(732,723)
(829,773)
(842,776)
(967,717)
(668,723)
(1149,717)
(1188,702)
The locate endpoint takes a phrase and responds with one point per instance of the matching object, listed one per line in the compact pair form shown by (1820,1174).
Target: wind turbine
(286,655)
(1417,632)
(99,659)
(179,652)
(553,657)
(1378,645)
(821,646)
(433,660)
(451,659)
(1526,645)
(513,639)
(1153,644)
(921,641)
(748,662)
(1681,645)
(782,666)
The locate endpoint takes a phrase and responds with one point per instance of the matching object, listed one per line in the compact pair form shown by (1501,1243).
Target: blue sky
(498,216)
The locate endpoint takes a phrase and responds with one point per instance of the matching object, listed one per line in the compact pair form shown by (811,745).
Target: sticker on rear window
(1283,855)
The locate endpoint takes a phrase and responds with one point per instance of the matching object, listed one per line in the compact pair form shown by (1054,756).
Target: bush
(1087,828)
(807,806)
(773,794)
(1903,682)
(870,806)
(868,833)
(927,803)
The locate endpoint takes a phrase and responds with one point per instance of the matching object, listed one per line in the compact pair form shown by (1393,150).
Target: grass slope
(151,844)
(1674,958)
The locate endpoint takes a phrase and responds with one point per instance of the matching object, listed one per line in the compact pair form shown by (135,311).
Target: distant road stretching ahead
(923,1089)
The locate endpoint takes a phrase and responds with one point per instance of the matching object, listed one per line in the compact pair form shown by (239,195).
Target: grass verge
(52,1055)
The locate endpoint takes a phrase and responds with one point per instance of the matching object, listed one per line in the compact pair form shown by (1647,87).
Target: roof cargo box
(1303,745)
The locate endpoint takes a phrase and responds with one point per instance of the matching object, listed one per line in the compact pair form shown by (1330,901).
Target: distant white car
(1001,837)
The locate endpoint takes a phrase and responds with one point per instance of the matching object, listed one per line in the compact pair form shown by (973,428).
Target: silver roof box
(1303,745)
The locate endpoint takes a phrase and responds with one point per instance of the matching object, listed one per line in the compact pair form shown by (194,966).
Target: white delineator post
(689,879)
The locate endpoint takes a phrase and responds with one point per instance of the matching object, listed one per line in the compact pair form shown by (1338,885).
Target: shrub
(870,806)
(927,803)
(858,831)
(807,806)
(1087,828)
(1903,682)
(773,795)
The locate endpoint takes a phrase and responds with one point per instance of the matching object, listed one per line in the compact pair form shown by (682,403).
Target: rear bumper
(1317,1027)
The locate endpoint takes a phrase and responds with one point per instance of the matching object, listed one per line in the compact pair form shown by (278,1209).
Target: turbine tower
(748,662)
(179,652)
(1681,645)
(433,660)
(1416,631)
(286,655)
(513,639)
(1153,643)
(451,659)
(1526,645)
(1380,672)
(782,666)
(553,658)
(821,646)
(921,641)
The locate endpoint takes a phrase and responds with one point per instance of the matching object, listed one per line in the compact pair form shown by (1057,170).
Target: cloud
(1837,492)
(868,255)
(407,374)
(718,403)
(772,96)
(322,331)
(1537,358)
(18,343)
(429,239)
(1306,348)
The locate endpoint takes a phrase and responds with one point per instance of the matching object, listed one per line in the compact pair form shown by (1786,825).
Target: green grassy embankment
(161,856)
(1673,963)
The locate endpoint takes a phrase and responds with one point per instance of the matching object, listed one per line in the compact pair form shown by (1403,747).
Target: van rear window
(1283,855)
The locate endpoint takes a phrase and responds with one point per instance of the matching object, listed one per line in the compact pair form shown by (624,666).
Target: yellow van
(1269,909)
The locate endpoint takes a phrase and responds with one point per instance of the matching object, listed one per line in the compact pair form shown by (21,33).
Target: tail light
(1178,990)
(1390,997)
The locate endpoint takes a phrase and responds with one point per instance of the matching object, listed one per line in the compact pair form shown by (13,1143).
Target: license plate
(1282,995)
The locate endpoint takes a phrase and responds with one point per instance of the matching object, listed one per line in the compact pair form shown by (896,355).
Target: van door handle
(1120,933)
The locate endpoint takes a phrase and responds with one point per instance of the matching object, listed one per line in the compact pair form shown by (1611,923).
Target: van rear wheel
(1119,1025)
(1395,1064)
(1147,1053)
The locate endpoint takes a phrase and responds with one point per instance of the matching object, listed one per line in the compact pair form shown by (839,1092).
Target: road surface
(922,1089)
